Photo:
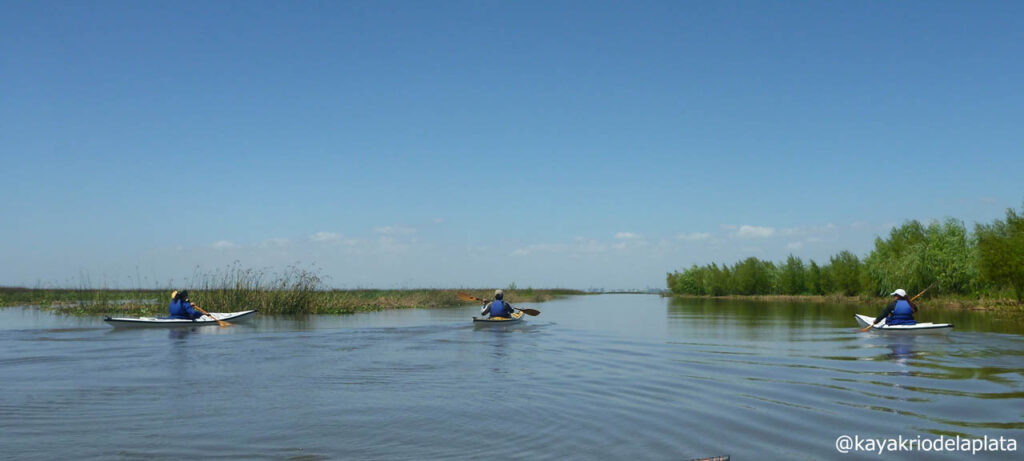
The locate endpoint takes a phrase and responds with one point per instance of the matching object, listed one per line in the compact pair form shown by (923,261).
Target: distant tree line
(913,256)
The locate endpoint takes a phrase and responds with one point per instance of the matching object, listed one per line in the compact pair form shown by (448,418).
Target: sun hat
(899,292)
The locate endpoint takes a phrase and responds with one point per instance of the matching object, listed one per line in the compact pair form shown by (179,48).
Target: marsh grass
(291,291)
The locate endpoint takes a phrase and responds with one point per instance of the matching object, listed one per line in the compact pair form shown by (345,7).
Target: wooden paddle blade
(468,297)
(533,312)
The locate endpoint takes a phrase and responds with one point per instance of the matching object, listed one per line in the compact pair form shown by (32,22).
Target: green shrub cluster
(913,256)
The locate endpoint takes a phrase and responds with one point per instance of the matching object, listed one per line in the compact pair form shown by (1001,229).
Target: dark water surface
(594,377)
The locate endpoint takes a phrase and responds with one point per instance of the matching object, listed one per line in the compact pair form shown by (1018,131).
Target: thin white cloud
(627,236)
(693,236)
(325,237)
(540,248)
(746,231)
(438,220)
(794,245)
(394,230)
(390,244)
(586,245)
(275,242)
(579,246)
(223,245)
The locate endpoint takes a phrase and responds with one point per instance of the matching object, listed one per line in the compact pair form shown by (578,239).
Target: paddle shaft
(468,297)
(911,300)
(922,291)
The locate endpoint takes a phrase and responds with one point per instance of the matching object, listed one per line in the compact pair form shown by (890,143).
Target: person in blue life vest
(899,312)
(181,307)
(498,307)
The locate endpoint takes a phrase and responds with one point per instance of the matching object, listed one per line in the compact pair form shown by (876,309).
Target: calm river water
(594,377)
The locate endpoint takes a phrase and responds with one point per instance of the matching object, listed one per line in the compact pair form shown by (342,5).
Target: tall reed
(294,290)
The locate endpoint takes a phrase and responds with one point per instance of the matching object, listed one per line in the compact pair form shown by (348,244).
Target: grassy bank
(938,302)
(293,290)
(270,301)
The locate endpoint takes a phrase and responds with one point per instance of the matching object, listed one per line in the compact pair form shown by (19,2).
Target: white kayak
(925,327)
(137,322)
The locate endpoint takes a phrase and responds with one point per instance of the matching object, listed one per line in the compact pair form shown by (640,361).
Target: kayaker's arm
(484,310)
(190,307)
(885,313)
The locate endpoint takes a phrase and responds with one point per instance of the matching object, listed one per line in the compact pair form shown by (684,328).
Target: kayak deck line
(924,327)
(212,319)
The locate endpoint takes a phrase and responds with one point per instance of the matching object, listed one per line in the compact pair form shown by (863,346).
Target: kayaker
(899,312)
(498,307)
(181,308)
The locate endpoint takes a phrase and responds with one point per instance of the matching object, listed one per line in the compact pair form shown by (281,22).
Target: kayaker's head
(499,294)
(183,295)
(899,293)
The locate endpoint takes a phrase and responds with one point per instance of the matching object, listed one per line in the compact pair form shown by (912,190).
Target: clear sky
(480,143)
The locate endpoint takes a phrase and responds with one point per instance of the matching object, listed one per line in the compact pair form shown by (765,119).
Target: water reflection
(498,345)
(601,377)
(902,349)
(180,333)
(756,315)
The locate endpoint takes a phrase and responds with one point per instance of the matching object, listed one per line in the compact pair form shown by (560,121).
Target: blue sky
(479,143)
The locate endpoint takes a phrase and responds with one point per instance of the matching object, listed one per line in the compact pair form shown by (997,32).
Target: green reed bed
(83,300)
(292,291)
(951,302)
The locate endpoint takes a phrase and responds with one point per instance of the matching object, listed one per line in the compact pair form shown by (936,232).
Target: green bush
(1001,252)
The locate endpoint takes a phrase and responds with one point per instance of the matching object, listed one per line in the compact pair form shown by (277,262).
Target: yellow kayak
(516,316)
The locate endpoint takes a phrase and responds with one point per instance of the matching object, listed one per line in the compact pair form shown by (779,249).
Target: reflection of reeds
(292,291)
(952,302)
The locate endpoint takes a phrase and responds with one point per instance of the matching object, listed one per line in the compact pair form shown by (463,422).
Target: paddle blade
(468,297)
(533,312)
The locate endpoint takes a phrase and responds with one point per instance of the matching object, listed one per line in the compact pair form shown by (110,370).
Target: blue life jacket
(499,309)
(181,309)
(902,314)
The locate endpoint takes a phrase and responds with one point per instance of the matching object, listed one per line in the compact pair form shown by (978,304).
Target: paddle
(911,300)
(219,321)
(468,297)
(196,307)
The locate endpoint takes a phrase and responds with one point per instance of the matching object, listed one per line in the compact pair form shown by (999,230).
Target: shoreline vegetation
(875,302)
(292,291)
(149,302)
(982,270)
